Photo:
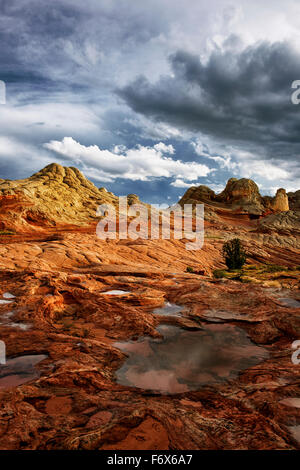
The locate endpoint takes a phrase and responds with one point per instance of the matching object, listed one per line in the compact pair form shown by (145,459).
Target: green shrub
(274,268)
(251,266)
(234,254)
(244,280)
(189,269)
(7,232)
(219,273)
(86,332)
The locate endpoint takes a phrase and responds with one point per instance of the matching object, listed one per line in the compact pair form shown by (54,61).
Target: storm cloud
(210,80)
(242,98)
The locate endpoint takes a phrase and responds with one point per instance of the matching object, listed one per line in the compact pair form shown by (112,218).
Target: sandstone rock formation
(241,195)
(240,190)
(281,202)
(57,196)
(53,197)
(287,223)
(294,200)
(133,199)
(198,194)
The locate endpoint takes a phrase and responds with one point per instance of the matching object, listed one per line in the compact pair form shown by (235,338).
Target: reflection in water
(294,402)
(187,360)
(115,292)
(5,320)
(168,309)
(8,295)
(289,302)
(19,370)
(295,431)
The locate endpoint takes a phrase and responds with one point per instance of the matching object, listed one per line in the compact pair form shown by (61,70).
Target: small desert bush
(7,232)
(251,266)
(234,254)
(219,273)
(245,279)
(274,268)
(189,269)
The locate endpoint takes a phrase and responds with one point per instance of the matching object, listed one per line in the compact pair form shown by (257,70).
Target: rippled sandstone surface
(74,400)
(80,309)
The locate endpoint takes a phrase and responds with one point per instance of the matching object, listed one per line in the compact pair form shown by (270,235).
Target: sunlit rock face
(240,195)
(198,194)
(242,190)
(55,195)
(281,202)
(58,197)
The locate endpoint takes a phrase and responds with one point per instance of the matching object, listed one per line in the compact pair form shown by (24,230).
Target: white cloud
(269,174)
(200,148)
(178,183)
(24,158)
(139,163)
(224,161)
(156,130)
(265,169)
(10,147)
(250,166)
(47,119)
(217,188)
(161,147)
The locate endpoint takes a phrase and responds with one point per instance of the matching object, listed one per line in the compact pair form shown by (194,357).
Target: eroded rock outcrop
(294,200)
(54,196)
(280,203)
(241,195)
(283,223)
(198,194)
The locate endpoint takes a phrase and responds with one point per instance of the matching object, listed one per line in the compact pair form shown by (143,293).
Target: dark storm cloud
(30,30)
(65,41)
(63,60)
(240,97)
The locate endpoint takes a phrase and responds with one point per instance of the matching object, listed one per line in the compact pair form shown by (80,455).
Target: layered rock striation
(52,197)
(241,195)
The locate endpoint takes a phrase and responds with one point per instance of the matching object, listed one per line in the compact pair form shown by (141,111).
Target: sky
(152,97)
